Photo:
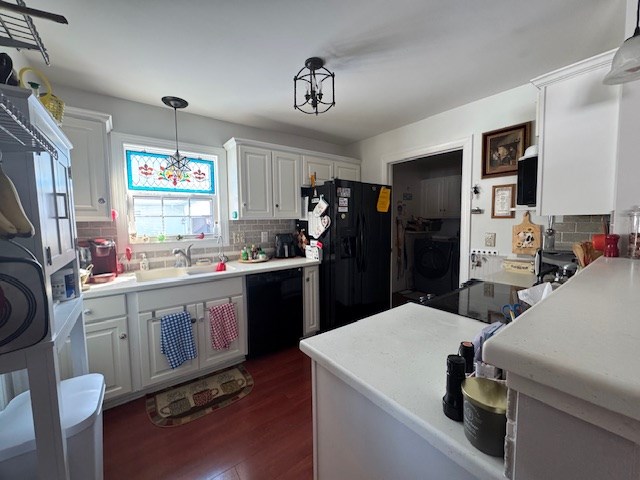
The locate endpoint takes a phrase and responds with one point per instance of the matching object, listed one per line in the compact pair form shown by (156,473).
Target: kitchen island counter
(583,339)
(397,361)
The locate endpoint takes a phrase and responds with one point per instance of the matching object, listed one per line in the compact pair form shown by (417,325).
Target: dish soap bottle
(144,262)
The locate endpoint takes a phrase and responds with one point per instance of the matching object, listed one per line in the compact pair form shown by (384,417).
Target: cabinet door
(347,171)
(431,197)
(155,368)
(256,184)
(451,193)
(90,167)
(56,219)
(286,184)
(321,167)
(209,356)
(108,351)
(578,125)
(311,301)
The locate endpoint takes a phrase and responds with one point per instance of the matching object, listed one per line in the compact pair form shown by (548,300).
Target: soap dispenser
(144,262)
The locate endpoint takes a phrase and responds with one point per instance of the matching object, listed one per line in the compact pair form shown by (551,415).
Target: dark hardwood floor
(266,435)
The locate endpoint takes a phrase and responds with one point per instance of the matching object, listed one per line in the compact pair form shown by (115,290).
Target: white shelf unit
(44,187)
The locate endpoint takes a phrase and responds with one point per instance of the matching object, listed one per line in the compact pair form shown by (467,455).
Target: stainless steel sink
(176,272)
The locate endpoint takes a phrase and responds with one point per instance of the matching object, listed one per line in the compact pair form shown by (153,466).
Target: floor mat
(183,403)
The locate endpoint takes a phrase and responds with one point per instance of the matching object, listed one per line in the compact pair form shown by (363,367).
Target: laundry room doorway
(427,200)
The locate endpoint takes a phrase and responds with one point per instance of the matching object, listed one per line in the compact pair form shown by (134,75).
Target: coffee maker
(285,246)
(103,256)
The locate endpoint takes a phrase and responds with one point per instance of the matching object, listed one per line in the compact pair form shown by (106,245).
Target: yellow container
(48,99)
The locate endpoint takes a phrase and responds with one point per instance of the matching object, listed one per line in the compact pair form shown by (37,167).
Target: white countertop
(127,283)
(397,359)
(583,339)
(524,280)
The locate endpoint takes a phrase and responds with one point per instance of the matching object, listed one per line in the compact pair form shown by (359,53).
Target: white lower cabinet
(311,301)
(107,336)
(208,355)
(195,299)
(108,352)
(123,332)
(155,368)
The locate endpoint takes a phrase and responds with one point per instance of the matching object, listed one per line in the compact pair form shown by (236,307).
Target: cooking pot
(485,414)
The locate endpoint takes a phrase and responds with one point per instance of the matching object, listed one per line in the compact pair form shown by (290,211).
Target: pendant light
(310,97)
(177,162)
(625,66)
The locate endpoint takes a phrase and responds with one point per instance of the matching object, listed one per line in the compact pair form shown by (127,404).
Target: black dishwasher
(274,307)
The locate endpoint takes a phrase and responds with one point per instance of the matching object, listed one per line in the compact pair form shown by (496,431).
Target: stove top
(479,300)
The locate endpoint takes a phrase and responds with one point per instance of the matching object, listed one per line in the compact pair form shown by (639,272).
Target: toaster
(285,246)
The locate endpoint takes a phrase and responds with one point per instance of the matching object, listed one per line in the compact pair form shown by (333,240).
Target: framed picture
(503,200)
(502,148)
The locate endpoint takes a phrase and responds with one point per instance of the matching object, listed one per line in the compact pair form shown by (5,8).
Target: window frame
(122,202)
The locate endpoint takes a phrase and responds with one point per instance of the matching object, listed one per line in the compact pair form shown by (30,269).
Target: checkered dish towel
(223,325)
(176,338)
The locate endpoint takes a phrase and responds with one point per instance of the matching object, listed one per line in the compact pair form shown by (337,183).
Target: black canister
(452,401)
(467,351)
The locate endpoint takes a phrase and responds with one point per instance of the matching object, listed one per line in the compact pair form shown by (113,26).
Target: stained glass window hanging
(150,172)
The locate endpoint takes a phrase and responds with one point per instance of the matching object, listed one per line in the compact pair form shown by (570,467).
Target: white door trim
(464,144)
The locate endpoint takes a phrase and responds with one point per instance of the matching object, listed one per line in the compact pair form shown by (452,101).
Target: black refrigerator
(355,272)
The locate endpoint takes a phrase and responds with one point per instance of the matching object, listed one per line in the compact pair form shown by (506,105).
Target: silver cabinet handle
(123,336)
(101,201)
(277,206)
(88,311)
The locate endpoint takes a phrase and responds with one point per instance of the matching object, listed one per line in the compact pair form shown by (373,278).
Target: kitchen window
(163,202)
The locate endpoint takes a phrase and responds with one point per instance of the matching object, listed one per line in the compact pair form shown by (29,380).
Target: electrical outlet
(238,237)
(264,237)
(489,239)
(484,251)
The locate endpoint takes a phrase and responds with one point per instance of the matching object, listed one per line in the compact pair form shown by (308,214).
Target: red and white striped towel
(223,325)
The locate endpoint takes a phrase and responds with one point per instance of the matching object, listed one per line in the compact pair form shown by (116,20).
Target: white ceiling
(395,62)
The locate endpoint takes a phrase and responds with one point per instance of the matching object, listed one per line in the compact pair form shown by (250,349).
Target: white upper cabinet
(440,197)
(89,133)
(256,185)
(578,125)
(265,179)
(328,168)
(286,184)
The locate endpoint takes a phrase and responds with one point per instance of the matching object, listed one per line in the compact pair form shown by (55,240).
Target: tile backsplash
(251,229)
(577,228)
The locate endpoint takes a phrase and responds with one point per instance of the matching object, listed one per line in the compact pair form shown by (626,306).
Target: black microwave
(527,181)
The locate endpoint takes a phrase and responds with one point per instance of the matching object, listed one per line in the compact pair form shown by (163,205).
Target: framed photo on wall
(503,200)
(502,148)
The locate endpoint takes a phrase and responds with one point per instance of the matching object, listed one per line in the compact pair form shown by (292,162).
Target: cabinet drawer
(104,307)
(152,300)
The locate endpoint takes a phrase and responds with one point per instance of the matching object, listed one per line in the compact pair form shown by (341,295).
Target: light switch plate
(264,237)
(489,239)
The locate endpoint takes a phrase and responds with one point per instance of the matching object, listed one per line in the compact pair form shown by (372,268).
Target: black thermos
(452,400)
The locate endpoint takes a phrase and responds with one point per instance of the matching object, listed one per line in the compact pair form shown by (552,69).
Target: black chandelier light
(313,92)
(177,162)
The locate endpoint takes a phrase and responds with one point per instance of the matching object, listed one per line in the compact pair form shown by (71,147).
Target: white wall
(157,122)
(507,108)
(628,166)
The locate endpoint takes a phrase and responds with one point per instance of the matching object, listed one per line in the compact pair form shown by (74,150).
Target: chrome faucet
(223,258)
(183,255)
